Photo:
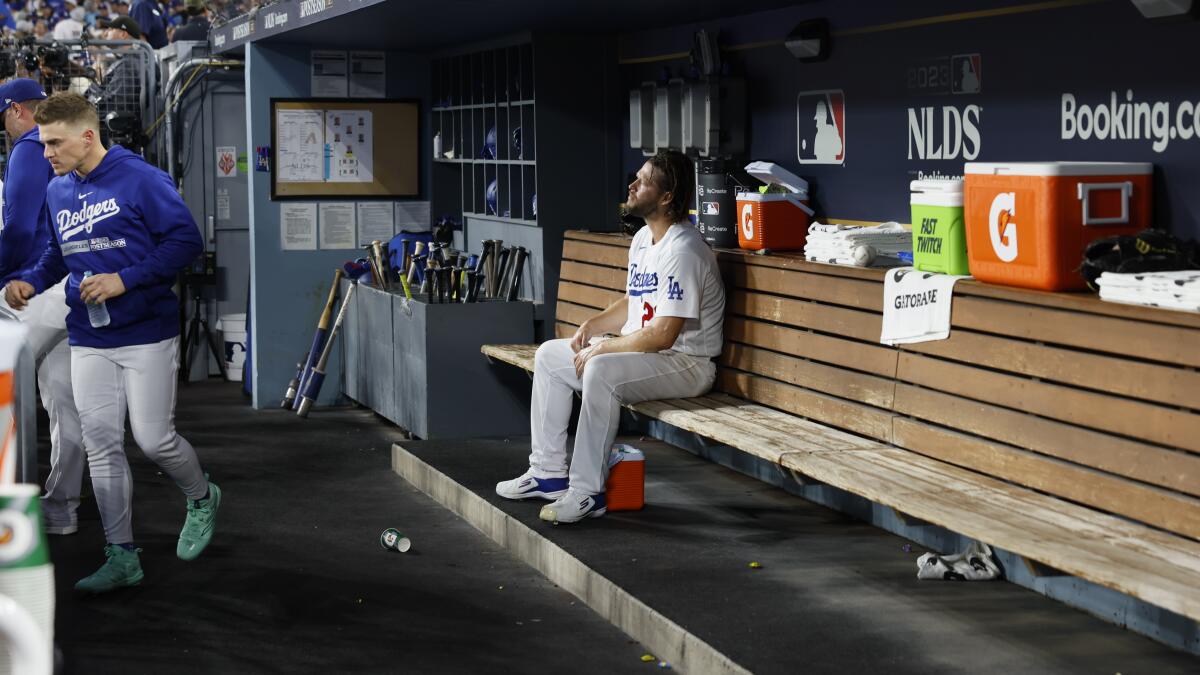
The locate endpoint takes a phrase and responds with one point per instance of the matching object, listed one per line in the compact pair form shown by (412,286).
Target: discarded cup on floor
(394,540)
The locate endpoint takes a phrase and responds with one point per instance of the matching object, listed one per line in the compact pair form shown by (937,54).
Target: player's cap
(18,90)
(127,24)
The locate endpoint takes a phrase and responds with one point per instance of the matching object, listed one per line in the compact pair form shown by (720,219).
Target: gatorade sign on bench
(1028,223)
(777,221)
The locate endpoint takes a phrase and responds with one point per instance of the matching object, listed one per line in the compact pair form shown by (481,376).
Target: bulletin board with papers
(345,148)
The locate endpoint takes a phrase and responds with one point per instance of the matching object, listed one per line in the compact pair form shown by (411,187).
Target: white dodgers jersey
(678,276)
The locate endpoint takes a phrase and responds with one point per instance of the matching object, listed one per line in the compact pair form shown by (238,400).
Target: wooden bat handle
(331,302)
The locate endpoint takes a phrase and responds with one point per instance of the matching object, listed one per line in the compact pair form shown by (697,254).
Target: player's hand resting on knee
(100,287)
(583,355)
(582,335)
(17,293)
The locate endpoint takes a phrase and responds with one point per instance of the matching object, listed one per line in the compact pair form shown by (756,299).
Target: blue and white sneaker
(574,507)
(528,486)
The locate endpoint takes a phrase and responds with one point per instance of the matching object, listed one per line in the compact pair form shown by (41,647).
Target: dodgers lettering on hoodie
(123,217)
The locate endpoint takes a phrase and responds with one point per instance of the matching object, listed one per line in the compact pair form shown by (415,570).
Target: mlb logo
(821,127)
(965,74)
(711,208)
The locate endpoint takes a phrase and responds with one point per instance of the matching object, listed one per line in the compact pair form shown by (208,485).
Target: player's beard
(640,209)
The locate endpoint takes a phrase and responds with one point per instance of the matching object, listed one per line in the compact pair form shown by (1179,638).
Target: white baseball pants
(609,380)
(140,380)
(45,318)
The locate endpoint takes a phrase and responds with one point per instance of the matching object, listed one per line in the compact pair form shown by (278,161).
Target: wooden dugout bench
(1056,426)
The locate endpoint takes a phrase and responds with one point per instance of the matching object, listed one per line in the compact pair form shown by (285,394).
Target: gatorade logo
(748,222)
(1002,228)
(17,536)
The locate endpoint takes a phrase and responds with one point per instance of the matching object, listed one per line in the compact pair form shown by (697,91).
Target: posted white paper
(298,226)
(299,135)
(329,69)
(337,225)
(349,146)
(222,204)
(368,71)
(413,216)
(376,220)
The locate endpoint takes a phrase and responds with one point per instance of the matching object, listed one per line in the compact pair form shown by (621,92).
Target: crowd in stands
(160,21)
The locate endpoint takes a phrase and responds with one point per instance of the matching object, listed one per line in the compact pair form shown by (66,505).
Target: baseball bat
(514,283)
(293,387)
(313,387)
(377,250)
(291,396)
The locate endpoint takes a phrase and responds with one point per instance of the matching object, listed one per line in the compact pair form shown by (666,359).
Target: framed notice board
(345,148)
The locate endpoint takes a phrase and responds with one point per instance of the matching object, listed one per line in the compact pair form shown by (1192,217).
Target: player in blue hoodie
(24,236)
(122,233)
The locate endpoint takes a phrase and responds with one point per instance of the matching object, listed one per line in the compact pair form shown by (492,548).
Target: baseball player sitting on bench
(669,326)
(122,233)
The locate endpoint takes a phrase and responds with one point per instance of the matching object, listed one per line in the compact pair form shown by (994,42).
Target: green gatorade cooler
(939,237)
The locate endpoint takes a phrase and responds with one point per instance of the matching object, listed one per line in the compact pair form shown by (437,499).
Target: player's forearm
(610,320)
(656,336)
(50,269)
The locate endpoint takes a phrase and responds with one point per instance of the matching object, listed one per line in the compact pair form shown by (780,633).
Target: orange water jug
(626,486)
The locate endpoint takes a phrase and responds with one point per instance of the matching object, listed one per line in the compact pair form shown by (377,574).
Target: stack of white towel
(1170,290)
(857,245)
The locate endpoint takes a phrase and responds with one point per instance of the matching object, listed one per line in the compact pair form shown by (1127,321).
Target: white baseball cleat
(574,507)
(528,486)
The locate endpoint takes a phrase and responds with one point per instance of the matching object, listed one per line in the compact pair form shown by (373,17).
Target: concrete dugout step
(832,594)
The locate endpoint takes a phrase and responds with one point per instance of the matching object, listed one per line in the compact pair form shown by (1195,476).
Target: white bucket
(233,330)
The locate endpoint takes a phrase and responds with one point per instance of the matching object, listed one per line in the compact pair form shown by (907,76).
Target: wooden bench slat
(598,254)
(787,427)
(1154,506)
(1155,342)
(1115,553)
(870,358)
(869,389)
(573,314)
(588,296)
(593,275)
(1149,381)
(852,323)
(520,356)
(860,294)
(836,412)
(1146,421)
(608,238)
(1079,302)
(1158,466)
(736,425)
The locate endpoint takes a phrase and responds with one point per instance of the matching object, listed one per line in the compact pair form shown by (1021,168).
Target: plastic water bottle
(97,312)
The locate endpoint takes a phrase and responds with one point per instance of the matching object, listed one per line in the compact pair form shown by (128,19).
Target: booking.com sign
(1123,118)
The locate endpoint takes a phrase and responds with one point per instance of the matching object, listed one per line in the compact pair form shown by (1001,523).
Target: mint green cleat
(123,568)
(198,528)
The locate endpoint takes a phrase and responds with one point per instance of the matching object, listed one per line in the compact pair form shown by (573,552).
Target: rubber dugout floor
(295,580)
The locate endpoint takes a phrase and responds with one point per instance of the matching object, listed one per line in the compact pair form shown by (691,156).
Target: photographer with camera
(118,85)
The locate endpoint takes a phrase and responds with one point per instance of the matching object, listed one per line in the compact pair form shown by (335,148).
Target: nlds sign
(945,133)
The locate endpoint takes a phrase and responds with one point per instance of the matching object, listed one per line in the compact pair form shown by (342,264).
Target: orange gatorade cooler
(626,486)
(1028,222)
(778,221)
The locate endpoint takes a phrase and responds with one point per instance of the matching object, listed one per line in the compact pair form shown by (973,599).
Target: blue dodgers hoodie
(26,220)
(123,217)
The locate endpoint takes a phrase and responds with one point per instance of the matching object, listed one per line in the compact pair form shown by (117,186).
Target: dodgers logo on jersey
(641,283)
(674,291)
(72,223)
